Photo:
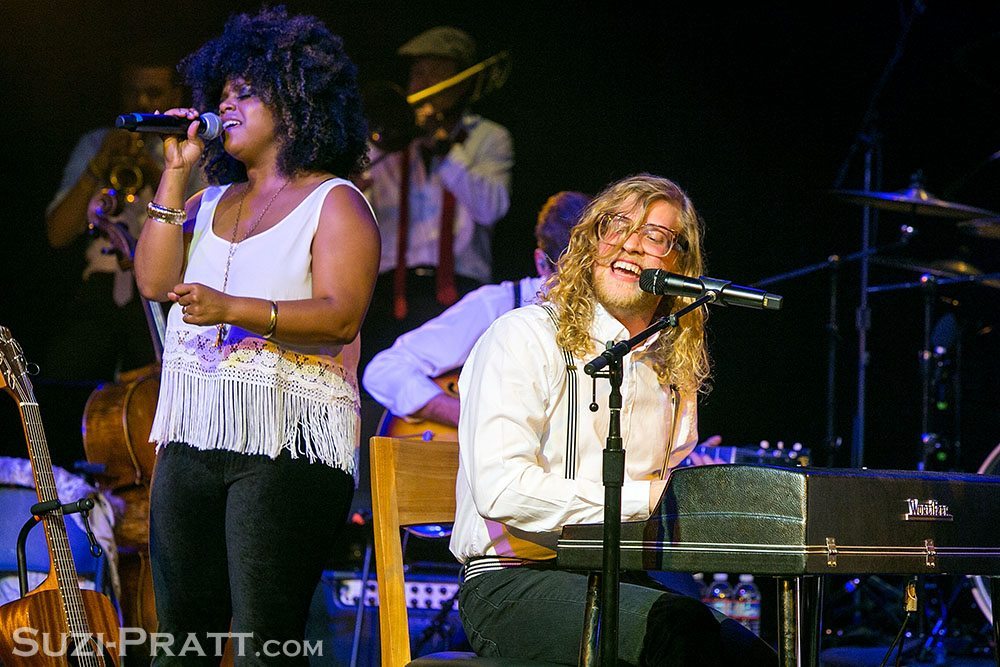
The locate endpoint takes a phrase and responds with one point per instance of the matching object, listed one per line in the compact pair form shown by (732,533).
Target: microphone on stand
(210,127)
(664,283)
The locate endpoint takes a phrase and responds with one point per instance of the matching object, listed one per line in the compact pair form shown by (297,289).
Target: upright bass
(117,420)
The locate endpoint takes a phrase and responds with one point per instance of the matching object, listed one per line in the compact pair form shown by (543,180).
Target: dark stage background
(752,108)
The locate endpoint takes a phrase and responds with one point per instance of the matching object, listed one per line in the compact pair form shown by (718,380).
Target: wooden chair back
(413,483)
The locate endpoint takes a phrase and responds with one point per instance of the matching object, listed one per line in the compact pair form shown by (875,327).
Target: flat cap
(444,42)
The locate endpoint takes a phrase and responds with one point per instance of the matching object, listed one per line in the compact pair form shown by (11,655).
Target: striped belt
(478,565)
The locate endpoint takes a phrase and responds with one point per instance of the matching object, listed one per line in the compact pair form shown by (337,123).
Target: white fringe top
(252,395)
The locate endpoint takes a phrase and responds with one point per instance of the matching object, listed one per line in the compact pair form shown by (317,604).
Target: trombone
(495,71)
(391,113)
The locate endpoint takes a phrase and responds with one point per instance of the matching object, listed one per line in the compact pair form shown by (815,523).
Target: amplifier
(433,616)
(422,592)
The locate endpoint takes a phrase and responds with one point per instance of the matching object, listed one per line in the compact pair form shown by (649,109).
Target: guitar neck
(726,454)
(60,552)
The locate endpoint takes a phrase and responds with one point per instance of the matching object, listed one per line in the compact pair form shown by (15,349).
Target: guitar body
(57,623)
(424,429)
(41,611)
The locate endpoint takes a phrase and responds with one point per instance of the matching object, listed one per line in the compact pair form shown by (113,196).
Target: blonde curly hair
(679,355)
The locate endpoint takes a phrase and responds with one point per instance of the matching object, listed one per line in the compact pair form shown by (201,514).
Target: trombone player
(438,198)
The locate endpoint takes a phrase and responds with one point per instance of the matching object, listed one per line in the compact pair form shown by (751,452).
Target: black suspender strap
(675,404)
(571,404)
(517,294)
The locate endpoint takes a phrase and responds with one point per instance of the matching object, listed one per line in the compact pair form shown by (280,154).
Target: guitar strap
(571,404)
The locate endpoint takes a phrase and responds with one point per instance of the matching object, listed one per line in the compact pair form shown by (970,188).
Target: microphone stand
(614,476)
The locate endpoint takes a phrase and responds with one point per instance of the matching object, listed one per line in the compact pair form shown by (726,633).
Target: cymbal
(940,268)
(915,201)
(984,228)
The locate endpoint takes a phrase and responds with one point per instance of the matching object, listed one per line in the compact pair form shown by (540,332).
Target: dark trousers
(381,328)
(538,615)
(243,539)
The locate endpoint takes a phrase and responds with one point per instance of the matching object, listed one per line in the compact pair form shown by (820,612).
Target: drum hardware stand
(833,264)
(439,624)
(38,511)
(926,357)
(931,644)
(359,615)
(606,634)
(929,355)
(869,137)
(910,607)
(929,442)
(932,361)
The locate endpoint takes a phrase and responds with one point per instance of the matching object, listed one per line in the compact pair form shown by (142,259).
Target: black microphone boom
(210,128)
(664,283)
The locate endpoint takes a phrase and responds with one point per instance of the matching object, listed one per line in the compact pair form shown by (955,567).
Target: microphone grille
(648,279)
(211,126)
(127,121)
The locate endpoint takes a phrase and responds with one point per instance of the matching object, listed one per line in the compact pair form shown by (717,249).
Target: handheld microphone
(664,283)
(210,128)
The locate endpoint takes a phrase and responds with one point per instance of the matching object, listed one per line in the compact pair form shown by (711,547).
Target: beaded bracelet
(171,216)
(273,324)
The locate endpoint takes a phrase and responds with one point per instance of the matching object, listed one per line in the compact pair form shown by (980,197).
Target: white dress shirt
(477,171)
(400,378)
(513,493)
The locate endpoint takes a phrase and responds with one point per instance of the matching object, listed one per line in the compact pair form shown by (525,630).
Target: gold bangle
(171,216)
(273,324)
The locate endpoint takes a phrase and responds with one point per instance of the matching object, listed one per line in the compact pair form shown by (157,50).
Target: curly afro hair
(300,70)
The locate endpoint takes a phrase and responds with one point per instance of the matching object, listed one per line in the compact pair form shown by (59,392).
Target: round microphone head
(211,126)
(647,280)
(127,121)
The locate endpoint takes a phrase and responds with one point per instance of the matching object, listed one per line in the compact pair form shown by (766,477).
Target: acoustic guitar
(57,623)
(394,426)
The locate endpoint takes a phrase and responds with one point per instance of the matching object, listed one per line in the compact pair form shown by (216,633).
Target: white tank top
(253,395)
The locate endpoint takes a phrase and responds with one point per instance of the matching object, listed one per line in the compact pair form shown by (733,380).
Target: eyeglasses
(656,240)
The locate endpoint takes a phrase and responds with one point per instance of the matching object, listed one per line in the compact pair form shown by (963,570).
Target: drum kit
(946,224)
(967,226)
(972,223)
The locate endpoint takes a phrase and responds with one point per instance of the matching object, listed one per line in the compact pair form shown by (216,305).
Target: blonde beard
(635,302)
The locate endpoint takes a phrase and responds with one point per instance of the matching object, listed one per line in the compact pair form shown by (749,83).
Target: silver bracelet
(171,216)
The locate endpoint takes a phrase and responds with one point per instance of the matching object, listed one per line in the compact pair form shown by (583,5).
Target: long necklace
(233,243)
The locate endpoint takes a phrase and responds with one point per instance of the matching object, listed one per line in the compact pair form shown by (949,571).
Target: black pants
(381,328)
(538,615)
(240,538)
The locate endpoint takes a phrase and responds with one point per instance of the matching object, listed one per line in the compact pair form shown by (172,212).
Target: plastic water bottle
(719,594)
(699,582)
(746,604)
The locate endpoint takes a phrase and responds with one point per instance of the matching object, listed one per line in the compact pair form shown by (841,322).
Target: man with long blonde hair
(531,450)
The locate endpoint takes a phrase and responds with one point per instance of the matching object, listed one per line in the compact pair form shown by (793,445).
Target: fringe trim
(249,418)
